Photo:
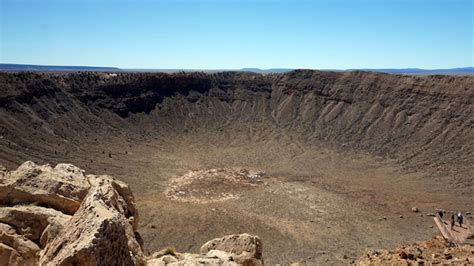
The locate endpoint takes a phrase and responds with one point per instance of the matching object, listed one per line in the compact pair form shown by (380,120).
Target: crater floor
(328,206)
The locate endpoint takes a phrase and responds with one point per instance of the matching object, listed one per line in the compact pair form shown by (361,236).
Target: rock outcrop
(243,249)
(434,251)
(60,216)
(247,248)
(62,188)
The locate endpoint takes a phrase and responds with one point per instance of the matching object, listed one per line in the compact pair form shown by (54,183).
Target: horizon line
(243,68)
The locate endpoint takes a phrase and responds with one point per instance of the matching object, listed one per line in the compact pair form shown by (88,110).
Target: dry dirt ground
(340,174)
(317,206)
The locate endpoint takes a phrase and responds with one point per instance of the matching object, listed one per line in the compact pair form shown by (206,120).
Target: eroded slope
(423,122)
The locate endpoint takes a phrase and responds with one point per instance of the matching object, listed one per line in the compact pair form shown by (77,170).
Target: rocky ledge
(60,216)
(434,251)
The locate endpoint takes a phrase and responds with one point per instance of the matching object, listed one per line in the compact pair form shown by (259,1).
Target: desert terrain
(320,165)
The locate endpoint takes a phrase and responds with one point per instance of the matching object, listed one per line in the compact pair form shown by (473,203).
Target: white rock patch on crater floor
(212,185)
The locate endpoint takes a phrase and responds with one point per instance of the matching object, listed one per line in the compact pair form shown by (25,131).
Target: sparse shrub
(169,250)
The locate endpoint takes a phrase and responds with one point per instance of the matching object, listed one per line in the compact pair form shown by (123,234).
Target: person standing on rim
(452,221)
(440,213)
(460,219)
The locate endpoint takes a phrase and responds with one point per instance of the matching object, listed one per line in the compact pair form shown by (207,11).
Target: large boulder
(229,250)
(60,216)
(33,222)
(245,249)
(101,232)
(16,249)
(62,187)
(185,259)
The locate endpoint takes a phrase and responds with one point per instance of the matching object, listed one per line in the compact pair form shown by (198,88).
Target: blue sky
(232,34)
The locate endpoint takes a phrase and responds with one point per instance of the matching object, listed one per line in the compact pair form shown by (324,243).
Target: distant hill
(46,68)
(270,70)
(459,71)
(413,71)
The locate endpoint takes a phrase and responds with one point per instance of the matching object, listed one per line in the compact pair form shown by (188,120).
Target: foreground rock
(241,249)
(434,251)
(62,188)
(59,216)
(103,229)
(247,248)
